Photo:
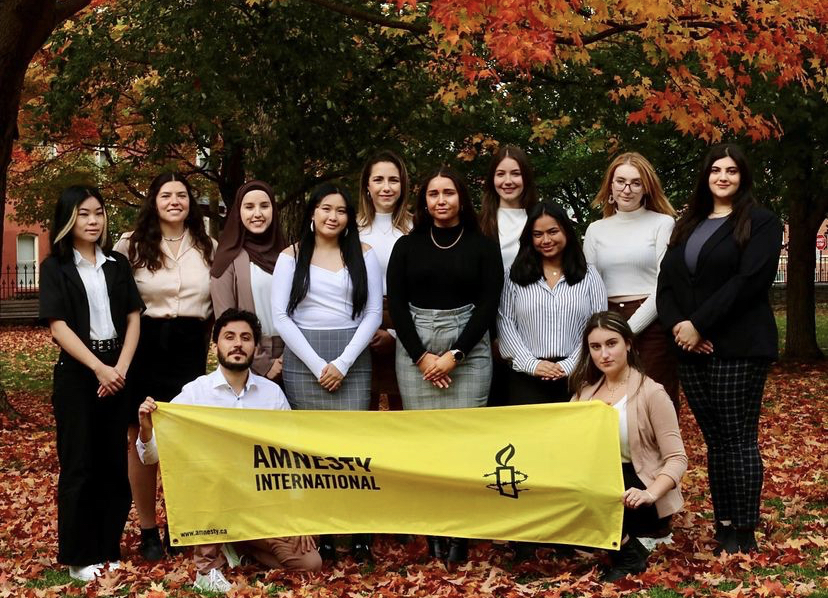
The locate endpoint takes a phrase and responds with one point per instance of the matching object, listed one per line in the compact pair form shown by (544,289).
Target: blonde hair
(653,197)
(401,216)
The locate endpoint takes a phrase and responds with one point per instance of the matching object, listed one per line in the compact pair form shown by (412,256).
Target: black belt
(104,346)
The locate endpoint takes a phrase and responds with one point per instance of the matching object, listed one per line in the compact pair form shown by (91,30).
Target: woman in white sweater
(383,218)
(626,247)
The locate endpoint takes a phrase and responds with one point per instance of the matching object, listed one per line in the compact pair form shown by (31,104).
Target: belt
(104,346)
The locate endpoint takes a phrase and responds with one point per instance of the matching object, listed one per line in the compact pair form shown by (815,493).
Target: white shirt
(537,322)
(327,306)
(510,223)
(627,249)
(261,283)
(381,235)
(623,432)
(213,390)
(92,276)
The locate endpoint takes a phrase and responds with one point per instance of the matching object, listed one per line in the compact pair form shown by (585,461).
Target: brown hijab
(263,248)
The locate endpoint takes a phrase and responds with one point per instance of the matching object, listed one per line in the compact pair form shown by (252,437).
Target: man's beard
(232,365)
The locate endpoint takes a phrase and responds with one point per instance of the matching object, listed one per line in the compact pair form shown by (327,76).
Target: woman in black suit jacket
(712,293)
(92,306)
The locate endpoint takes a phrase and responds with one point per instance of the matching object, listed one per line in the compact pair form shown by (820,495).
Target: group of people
(430,306)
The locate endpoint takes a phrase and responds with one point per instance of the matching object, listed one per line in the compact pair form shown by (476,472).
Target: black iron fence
(19,282)
(820,272)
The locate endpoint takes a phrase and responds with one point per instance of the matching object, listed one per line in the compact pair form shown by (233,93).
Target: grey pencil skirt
(470,380)
(303,389)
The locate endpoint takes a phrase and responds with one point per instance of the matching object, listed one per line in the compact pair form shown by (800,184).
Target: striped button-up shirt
(537,322)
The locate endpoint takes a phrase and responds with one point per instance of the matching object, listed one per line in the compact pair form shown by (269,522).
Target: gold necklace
(457,240)
(174,239)
(610,401)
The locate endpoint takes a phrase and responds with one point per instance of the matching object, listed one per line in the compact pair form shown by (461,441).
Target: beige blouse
(180,288)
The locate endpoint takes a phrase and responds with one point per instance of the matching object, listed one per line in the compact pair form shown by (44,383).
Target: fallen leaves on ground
(792,535)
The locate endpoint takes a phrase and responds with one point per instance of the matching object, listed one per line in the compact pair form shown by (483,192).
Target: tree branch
(370,17)
(66,8)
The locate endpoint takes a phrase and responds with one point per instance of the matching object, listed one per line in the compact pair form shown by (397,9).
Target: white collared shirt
(213,390)
(92,276)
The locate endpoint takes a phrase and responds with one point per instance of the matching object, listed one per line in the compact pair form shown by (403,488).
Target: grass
(821,327)
(32,372)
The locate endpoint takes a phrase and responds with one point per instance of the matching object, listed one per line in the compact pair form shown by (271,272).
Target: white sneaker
(113,566)
(87,573)
(231,555)
(213,581)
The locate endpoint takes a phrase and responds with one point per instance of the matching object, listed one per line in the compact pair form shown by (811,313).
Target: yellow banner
(541,473)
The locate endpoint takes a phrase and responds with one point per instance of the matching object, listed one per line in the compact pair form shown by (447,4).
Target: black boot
(361,548)
(721,537)
(437,548)
(630,560)
(151,548)
(458,550)
(739,540)
(524,551)
(327,548)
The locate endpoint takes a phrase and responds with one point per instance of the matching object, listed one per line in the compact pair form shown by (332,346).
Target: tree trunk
(805,215)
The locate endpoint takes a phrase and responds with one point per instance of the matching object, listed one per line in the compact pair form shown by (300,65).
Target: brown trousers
(273,553)
(654,345)
(383,372)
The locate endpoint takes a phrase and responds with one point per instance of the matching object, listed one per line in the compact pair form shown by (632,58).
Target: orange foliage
(731,44)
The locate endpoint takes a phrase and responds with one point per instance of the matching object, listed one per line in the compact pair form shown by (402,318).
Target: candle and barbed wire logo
(507,477)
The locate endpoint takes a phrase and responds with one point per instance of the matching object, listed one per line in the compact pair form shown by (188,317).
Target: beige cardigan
(232,289)
(655,440)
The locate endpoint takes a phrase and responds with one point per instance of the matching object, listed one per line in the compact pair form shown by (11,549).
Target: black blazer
(63,296)
(727,299)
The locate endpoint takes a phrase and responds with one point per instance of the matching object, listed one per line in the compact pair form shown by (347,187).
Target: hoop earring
(611,200)
(346,231)
(313,230)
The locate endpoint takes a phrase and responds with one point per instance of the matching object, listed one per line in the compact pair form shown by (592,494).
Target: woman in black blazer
(712,293)
(92,306)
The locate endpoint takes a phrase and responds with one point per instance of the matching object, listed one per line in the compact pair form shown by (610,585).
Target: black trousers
(725,396)
(531,390)
(93,488)
(171,353)
(643,521)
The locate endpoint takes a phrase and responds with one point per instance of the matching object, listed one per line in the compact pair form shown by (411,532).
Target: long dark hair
(401,217)
(66,213)
(468,217)
(145,241)
(586,372)
(701,202)
(491,200)
(528,266)
(349,246)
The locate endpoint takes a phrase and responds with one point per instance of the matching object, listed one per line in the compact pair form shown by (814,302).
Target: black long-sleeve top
(422,274)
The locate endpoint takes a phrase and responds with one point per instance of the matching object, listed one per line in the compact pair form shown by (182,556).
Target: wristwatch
(458,355)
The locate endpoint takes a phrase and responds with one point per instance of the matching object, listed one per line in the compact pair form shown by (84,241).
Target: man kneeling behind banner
(537,473)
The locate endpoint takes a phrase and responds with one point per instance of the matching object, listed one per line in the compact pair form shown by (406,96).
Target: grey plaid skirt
(302,388)
(470,380)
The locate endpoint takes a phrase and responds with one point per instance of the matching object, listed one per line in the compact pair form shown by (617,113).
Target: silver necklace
(174,239)
(457,240)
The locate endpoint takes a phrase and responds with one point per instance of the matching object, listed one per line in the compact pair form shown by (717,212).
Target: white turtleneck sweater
(627,249)
(381,236)
(510,223)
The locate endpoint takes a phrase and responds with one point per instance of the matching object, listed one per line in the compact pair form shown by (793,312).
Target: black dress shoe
(437,547)
(739,540)
(327,548)
(361,548)
(524,551)
(458,550)
(151,548)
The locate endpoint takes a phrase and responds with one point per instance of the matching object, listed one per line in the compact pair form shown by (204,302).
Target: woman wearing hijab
(242,272)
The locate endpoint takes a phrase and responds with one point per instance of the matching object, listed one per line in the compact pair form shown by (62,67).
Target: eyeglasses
(621,184)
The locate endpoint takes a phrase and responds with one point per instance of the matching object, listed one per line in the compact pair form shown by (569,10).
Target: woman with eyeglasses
(626,247)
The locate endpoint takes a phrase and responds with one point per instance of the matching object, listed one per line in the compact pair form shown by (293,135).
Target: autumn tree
(706,58)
